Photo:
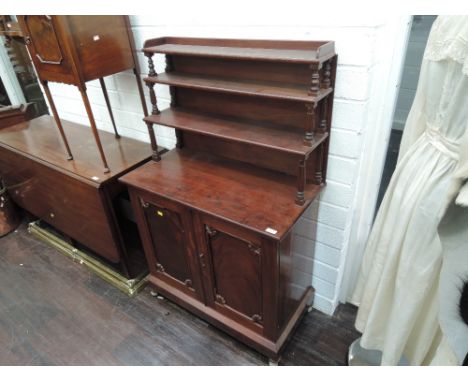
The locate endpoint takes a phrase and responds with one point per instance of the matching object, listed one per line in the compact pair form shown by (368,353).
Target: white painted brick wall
(324,229)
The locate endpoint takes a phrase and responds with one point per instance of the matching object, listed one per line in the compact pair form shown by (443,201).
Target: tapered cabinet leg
(57,119)
(109,108)
(140,91)
(89,111)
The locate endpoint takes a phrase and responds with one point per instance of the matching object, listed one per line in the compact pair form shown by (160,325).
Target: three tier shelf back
(266,103)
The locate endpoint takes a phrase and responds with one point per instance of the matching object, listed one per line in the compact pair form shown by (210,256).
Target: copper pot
(9,216)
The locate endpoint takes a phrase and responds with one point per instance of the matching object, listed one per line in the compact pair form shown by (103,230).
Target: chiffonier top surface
(263,50)
(257,199)
(39,140)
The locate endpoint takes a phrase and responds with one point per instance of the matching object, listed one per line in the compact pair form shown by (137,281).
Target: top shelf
(305,52)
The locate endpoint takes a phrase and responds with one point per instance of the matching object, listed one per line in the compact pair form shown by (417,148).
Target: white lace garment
(397,287)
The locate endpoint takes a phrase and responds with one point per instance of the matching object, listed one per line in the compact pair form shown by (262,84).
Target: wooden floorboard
(55,312)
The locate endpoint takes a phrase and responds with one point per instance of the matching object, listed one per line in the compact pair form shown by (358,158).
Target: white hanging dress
(398,282)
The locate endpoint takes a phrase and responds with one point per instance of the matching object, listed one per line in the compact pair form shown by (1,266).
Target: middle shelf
(278,90)
(264,135)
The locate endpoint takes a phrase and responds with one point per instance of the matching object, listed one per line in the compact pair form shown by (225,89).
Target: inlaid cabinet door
(170,243)
(46,44)
(232,264)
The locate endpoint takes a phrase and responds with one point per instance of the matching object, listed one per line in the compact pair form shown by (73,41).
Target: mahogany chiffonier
(218,214)
(77,49)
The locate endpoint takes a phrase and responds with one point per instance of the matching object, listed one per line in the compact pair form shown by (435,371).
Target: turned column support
(180,138)
(318,176)
(173,93)
(154,111)
(151,70)
(310,124)
(153,99)
(315,79)
(169,64)
(301,181)
(323,116)
(327,75)
(154,144)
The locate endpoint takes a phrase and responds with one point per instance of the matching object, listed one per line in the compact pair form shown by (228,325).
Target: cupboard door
(235,271)
(172,256)
(46,45)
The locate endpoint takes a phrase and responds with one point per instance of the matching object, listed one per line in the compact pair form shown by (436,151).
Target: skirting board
(129,286)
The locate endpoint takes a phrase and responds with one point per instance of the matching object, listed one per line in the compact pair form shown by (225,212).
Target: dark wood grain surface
(101,43)
(258,134)
(72,206)
(75,49)
(243,87)
(219,187)
(73,196)
(11,115)
(268,50)
(40,140)
(54,312)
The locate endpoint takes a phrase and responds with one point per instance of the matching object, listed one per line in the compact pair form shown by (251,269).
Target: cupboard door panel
(168,233)
(44,39)
(47,47)
(168,239)
(237,274)
(232,270)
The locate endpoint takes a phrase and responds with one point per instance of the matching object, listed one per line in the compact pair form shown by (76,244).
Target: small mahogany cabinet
(77,49)
(218,214)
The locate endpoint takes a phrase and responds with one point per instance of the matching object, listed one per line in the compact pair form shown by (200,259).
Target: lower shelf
(129,286)
(274,137)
